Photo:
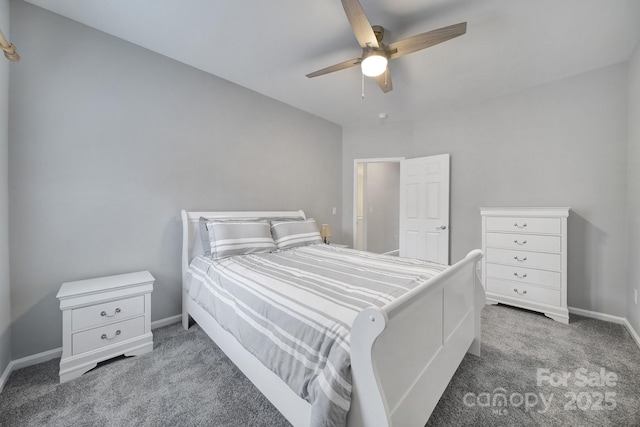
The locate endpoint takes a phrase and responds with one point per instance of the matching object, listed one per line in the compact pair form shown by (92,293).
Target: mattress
(293,310)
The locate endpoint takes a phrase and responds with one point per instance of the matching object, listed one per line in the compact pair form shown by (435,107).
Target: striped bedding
(293,310)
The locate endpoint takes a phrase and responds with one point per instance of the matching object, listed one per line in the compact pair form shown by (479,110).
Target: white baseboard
(5,376)
(57,352)
(608,318)
(35,359)
(632,331)
(597,315)
(28,361)
(166,321)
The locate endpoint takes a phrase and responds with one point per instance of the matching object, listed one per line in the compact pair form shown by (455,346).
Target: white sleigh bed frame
(403,355)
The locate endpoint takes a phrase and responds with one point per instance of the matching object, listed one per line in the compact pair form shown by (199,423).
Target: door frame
(356,162)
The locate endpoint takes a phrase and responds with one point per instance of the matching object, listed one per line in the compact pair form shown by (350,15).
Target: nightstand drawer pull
(520,226)
(519,259)
(524,242)
(104,336)
(520,293)
(104,313)
(519,276)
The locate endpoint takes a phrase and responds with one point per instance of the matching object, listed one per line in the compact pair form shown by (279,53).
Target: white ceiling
(269,46)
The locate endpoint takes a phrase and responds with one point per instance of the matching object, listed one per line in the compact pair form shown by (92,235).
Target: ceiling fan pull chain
(362,85)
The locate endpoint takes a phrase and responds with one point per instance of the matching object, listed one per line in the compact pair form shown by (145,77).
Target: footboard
(404,354)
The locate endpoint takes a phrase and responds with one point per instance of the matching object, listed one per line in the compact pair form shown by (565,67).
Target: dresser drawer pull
(104,313)
(520,226)
(519,276)
(519,259)
(520,293)
(524,242)
(104,336)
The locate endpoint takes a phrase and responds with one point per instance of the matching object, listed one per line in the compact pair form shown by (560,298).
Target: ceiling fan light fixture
(376,53)
(374,64)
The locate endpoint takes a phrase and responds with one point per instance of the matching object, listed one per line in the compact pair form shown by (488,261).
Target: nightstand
(103,318)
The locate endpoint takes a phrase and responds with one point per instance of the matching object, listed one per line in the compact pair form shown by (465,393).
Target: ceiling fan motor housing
(378,31)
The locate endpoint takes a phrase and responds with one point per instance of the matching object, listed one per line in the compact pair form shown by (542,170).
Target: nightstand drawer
(524,242)
(524,275)
(107,335)
(524,292)
(525,225)
(100,314)
(544,261)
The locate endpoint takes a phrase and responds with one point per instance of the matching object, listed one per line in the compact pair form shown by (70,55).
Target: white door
(424,208)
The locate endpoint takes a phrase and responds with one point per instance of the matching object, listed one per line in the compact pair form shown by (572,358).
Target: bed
(403,352)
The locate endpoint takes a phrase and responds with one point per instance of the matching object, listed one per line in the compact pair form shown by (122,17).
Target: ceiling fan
(376,54)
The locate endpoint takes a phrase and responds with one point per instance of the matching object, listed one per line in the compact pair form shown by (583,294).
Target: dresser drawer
(525,225)
(544,261)
(524,275)
(100,314)
(106,335)
(524,242)
(524,292)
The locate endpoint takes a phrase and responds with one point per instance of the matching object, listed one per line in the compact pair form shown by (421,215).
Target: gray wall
(109,141)
(5,299)
(633,171)
(382,195)
(561,144)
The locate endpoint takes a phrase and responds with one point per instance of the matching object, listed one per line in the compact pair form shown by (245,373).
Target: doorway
(401,206)
(376,200)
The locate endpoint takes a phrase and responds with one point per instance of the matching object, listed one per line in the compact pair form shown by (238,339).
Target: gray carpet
(187,381)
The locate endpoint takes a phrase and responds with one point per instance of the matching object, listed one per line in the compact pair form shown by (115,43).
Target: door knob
(442,227)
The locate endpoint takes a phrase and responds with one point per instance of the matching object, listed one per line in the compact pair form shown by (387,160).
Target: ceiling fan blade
(384,81)
(337,67)
(360,24)
(425,40)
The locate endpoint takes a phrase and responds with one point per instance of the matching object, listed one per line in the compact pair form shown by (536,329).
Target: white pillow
(291,234)
(229,238)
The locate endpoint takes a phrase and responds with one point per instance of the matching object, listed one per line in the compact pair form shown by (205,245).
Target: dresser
(525,262)
(103,318)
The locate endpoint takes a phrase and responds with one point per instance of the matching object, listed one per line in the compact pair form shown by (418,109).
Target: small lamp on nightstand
(325,232)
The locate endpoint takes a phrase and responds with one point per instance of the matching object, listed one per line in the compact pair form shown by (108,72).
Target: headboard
(191,240)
